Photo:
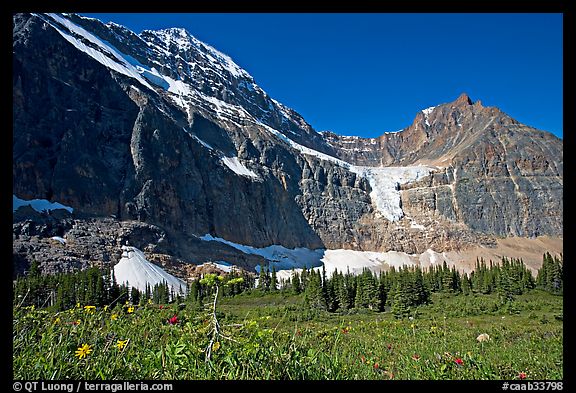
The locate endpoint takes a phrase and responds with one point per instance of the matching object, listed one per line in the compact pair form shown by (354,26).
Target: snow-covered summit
(427,112)
(177,39)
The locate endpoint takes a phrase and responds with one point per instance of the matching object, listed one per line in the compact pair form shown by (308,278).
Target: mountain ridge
(109,123)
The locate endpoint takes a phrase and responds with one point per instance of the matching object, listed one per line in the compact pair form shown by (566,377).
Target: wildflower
(83,351)
(57,321)
(77,305)
(120,344)
(416,357)
(106,308)
(130,309)
(362,359)
(173,320)
(216,346)
(345,330)
(114,317)
(90,309)
(522,375)
(149,301)
(376,366)
(483,337)
(459,361)
(161,307)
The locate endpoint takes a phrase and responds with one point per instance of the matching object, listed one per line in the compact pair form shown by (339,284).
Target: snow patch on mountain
(237,167)
(283,259)
(105,53)
(137,271)
(39,205)
(385,183)
(427,112)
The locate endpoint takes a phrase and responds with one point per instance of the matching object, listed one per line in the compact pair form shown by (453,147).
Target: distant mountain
(162,129)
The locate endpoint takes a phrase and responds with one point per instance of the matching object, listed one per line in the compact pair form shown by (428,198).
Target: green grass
(272,337)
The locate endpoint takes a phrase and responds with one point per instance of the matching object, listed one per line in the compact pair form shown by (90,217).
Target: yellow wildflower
(114,317)
(106,308)
(121,344)
(216,346)
(57,321)
(83,351)
(90,309)
(130,309)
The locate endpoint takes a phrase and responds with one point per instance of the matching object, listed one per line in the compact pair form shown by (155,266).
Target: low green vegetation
(227,329)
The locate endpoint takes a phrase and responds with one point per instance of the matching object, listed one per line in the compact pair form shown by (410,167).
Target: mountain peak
(463,99)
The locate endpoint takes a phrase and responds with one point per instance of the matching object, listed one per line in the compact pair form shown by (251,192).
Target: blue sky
(364,74)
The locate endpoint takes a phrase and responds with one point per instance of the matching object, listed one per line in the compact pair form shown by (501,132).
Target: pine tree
(263,279)
(422,294)
(304,278)
(504,287)
(466,284)
(400,307)
(447,279)
(296,286)
(273,280)
(313,293)
(134,295)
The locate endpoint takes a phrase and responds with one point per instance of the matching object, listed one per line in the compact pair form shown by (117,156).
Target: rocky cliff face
(161,129)
(494,174)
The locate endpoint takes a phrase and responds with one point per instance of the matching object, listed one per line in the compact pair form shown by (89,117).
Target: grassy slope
(272,337)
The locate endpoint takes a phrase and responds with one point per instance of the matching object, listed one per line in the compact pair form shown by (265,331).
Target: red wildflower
(415,357)
(173,320)
(376,365)
(459,361)
(345,330)
(522,375)
(362,359)
(161,307)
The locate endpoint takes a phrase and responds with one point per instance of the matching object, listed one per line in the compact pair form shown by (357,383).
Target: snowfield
(135,269)
(234,164)
(284,259)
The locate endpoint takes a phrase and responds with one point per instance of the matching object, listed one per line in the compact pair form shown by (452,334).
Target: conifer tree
(400,307)
(273,280)
(313,293)
(296,286)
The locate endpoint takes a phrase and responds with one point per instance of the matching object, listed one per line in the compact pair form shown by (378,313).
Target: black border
(357,6)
